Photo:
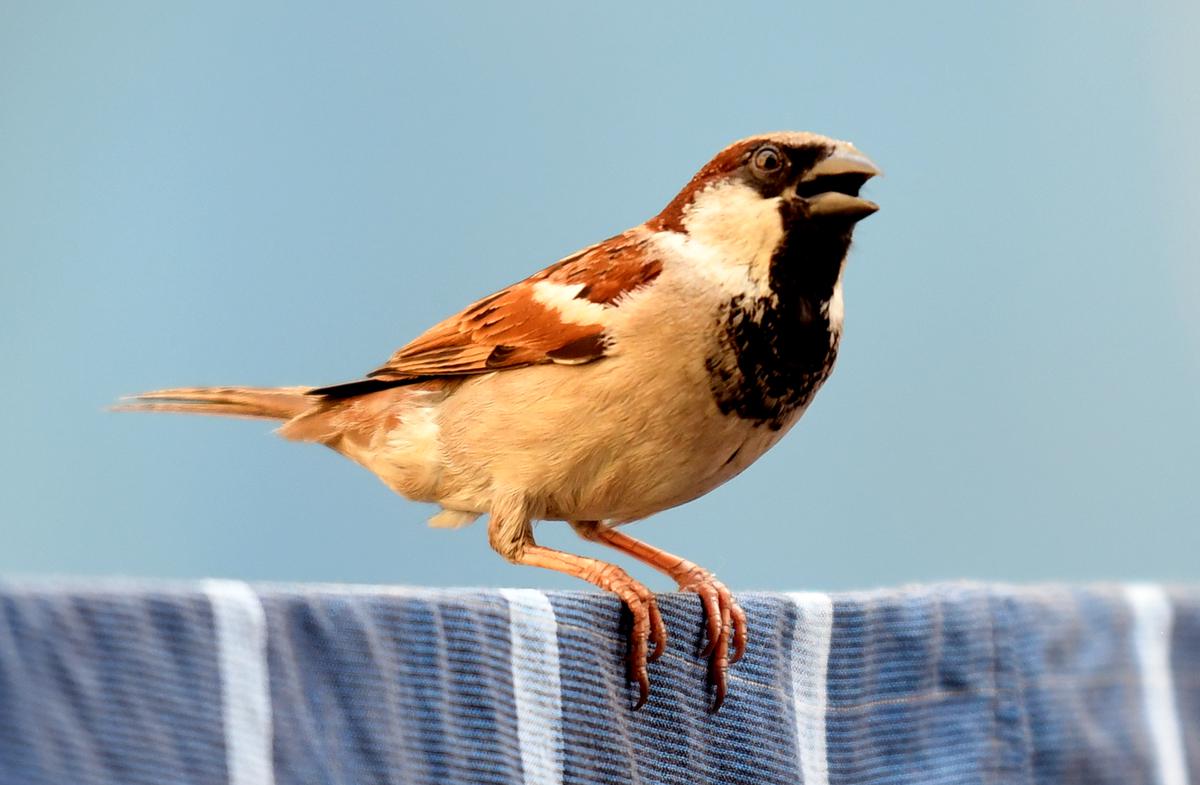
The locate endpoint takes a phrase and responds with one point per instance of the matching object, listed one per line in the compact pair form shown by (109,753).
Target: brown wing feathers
(516,327)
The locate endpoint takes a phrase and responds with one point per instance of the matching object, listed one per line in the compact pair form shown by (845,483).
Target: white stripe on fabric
(810,661)
(1152,620)
(537,691)
(241,630)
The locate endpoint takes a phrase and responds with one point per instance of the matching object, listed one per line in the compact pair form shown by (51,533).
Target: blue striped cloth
(223,682)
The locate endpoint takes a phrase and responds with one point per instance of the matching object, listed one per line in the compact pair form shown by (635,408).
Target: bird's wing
(555,316)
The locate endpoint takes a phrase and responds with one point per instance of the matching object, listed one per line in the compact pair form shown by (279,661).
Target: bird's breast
(771,356)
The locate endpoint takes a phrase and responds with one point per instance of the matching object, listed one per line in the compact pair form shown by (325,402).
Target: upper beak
(831,186)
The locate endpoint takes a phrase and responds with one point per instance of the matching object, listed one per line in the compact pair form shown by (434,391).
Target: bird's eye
(768,161)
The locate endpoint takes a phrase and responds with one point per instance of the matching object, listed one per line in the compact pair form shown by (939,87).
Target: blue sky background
(209,193)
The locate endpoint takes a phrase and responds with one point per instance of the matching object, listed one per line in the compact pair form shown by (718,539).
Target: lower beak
(833,204)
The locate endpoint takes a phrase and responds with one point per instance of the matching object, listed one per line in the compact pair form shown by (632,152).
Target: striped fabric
(223,682)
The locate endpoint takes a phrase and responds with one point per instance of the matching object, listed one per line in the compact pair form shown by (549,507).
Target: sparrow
(630,377)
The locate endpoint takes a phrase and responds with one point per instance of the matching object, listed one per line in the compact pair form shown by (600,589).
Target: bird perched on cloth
(632,376)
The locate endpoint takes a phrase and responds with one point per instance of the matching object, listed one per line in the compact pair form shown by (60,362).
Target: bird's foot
(722,613)
(648,628)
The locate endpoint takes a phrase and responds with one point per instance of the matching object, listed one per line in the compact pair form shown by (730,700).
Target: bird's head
(780,197)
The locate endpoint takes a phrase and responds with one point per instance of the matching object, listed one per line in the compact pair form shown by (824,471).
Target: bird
(629,377)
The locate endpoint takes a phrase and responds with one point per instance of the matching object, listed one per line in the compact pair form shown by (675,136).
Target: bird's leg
(513,539)
(721,609)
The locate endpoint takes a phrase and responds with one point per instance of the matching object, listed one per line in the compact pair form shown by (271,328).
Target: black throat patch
(774,352)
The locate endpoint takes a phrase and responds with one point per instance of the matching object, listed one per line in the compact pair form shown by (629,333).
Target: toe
(712,616)
(739,631)
(658,630)
(639,640)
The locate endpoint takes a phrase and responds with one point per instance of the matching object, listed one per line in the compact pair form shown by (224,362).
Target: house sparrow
(632,376)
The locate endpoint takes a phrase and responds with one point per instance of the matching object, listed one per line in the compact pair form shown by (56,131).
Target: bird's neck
(777,349)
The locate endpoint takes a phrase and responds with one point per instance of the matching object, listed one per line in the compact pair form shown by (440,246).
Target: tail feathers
(271,403)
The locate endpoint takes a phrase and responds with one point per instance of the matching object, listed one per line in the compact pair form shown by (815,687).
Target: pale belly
(577,446)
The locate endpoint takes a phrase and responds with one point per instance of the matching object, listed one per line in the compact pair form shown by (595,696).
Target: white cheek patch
(562,298)
(709,265)
(739,225)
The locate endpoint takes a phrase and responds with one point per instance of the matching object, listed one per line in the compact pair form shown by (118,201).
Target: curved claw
(639,657)
(643,681)
(722,613)
(648,628)
(717,674)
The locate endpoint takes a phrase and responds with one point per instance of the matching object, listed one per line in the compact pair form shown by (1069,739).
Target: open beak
(831,186)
